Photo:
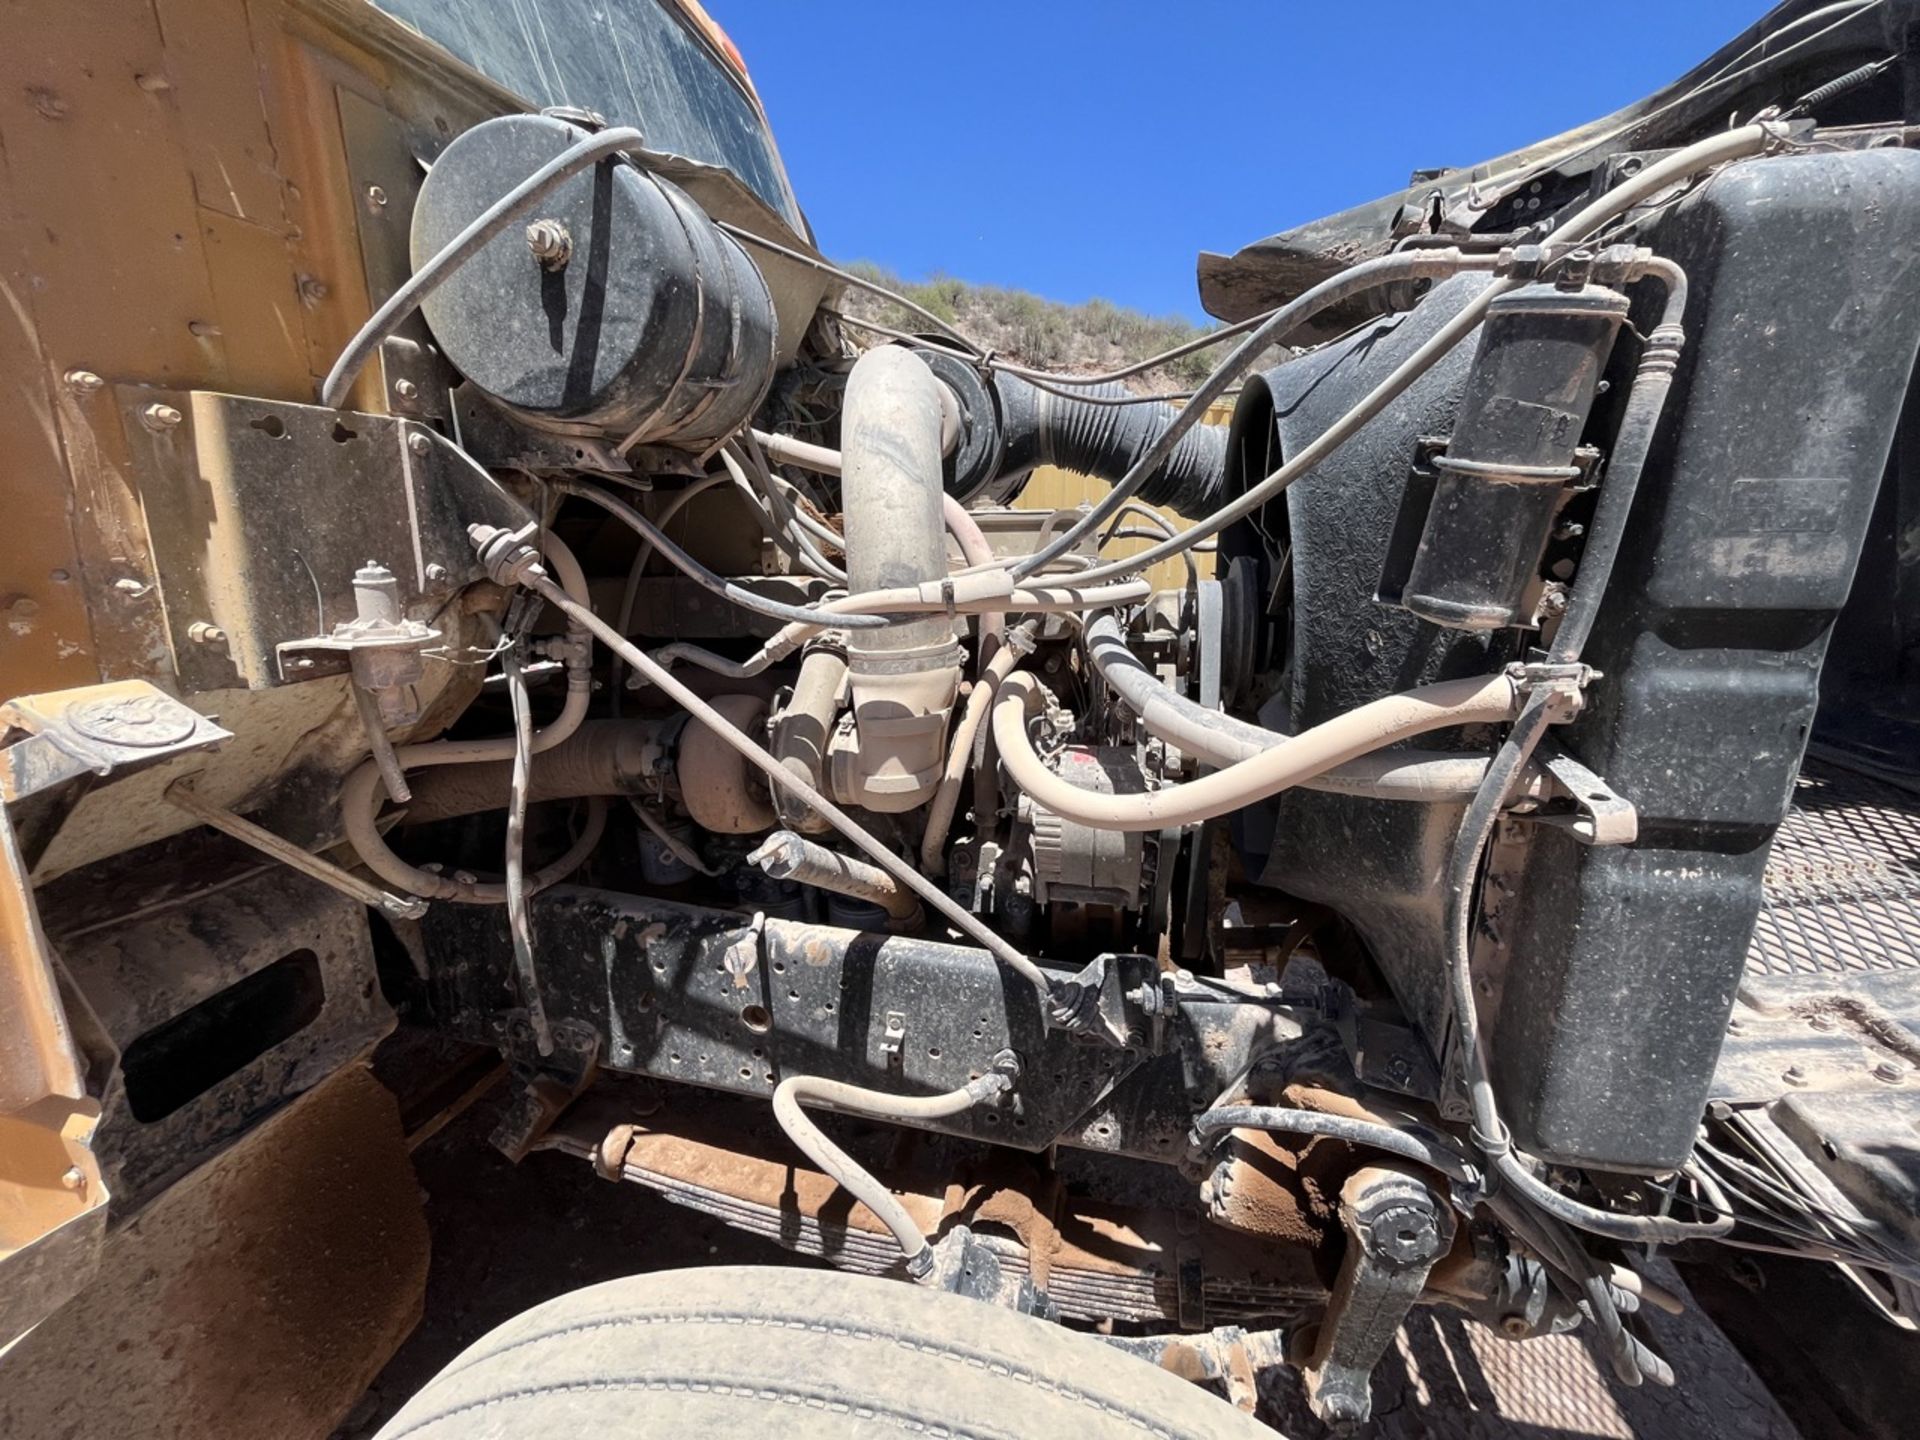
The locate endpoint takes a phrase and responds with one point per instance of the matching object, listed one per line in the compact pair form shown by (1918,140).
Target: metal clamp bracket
(95,729)
(1600,816)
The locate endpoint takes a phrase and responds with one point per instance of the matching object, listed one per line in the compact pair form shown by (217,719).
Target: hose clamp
(1533,675)
(1563,683)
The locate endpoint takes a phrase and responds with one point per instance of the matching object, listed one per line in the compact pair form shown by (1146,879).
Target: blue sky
(1078,148)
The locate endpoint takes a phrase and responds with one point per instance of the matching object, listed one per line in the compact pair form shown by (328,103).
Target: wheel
(762,1352)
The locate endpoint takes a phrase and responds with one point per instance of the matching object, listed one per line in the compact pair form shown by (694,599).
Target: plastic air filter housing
(616,308)
(1484,525)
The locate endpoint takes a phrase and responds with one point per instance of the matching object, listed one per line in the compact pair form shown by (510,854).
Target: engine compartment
(638,666)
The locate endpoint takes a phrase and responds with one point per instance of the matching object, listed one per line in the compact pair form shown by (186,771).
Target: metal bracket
(95,729)
(743,953)
(227,484)
(1600,816)
(547,1083)
(498,443)
(893,1040)
(1396,1228)
(1100,1002)
(963,1265)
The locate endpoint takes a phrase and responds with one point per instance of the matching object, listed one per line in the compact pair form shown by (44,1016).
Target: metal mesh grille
(1843,880)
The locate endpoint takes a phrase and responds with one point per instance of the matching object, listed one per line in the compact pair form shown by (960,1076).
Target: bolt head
(437,572)
(417,442)
(160,417)
(405,389)
(1795,1075)
(376,197)
(1890,1072)
(84,382)
(74,1178)
(1405,1234)
(550,243)
(1515,1327)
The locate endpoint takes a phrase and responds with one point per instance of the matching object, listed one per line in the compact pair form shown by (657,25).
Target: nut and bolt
(417,442)
(1404,1234)
(1515,1327)
(550,243)
(205,632)
(405,389)
(74,1178)
(1822,1022)
(1795,1075)
(84,382)
(437,572)
(376,197)
(1890,1072)
(160,417)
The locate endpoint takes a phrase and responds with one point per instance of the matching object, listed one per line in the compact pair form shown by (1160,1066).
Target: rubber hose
(1423,776)
(1315,751)
(1043,428)
(603,757)
(865,1187)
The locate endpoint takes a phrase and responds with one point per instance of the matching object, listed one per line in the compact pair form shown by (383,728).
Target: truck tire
(762,1352)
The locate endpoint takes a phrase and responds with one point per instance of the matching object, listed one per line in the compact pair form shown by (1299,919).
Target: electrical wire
(1356,279)
(519,918)
(1054,385)
(1506,187)
(1426,1148)
(802,528)
(706,579)
(814,262)
(630,596)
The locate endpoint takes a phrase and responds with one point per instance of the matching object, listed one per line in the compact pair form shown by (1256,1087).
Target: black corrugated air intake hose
(1039,427)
